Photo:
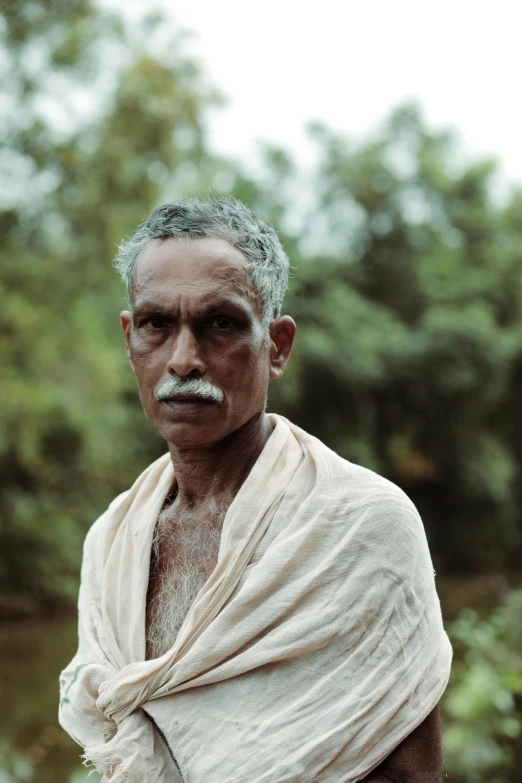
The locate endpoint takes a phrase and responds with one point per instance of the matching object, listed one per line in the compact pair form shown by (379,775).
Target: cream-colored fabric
(313,649)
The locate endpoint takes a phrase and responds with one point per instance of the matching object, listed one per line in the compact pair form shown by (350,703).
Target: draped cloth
(314,648)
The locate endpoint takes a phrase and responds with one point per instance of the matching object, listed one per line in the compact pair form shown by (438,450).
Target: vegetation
(483,705)
(407,293)
(72,430)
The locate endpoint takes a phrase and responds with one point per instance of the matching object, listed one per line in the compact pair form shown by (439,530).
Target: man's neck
(219,471)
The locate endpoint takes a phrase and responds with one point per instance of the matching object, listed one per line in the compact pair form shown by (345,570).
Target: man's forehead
(190,256)
(196,266)
(211,302)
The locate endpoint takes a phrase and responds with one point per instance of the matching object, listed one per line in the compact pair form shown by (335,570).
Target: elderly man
(255,609)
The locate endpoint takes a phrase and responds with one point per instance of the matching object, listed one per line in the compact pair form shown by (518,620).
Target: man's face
(195,315)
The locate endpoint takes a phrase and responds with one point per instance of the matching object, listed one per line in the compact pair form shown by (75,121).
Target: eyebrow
(147,306)
(223,305)
(150,306)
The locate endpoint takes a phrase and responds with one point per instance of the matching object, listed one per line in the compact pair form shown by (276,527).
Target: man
(254,608)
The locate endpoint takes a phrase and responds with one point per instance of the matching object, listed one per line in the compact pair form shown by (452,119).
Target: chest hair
(184,553)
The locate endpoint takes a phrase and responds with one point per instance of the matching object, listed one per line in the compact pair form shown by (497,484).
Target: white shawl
(315,647)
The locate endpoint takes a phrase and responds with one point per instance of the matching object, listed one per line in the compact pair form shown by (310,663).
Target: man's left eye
(221,322)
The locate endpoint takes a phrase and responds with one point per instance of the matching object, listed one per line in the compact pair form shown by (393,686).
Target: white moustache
(195,387)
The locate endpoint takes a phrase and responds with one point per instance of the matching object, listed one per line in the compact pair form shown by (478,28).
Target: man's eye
(222,322)
(157,323)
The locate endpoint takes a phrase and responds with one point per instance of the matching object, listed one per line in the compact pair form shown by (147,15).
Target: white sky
(282,63)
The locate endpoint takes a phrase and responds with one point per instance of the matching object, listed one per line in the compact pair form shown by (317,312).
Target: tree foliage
(407,293)
(483,706)
(409,346)
(72,430)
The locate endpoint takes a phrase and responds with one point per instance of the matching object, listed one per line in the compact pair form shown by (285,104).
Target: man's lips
(183,399)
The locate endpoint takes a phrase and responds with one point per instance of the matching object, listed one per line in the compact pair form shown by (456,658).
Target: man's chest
(184,553)
(179,553)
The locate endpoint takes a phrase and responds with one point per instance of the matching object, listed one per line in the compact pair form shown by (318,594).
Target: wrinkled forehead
(193,268)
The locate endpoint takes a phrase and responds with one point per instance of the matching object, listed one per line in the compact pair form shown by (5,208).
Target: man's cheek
(145,364)
(244,353)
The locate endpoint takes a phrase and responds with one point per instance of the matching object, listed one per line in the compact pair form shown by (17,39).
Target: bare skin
(195,315)
(179,563)
(184,554)
(418,759)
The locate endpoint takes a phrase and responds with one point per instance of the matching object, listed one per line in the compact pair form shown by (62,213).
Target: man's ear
(126,325)
(282,333)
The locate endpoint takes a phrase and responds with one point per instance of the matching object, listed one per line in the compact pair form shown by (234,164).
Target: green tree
(483,705)
(407,294)
(408,298)
(72,429)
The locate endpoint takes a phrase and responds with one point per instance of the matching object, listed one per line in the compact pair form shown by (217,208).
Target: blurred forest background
(407,292)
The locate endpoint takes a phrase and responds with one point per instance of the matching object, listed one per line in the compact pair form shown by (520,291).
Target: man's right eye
(156,322)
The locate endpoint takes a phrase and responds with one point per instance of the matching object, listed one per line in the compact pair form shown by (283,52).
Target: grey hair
(229,219)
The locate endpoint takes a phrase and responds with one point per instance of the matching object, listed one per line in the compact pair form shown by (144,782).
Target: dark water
(33,747)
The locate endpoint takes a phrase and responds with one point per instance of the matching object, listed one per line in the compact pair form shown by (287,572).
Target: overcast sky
(282,63)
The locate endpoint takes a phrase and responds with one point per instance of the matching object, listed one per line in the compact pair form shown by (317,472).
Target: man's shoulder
(344,481)
(374,501)
(364,484)
(372,519)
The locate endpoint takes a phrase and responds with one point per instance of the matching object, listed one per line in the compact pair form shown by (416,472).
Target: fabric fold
(313,649)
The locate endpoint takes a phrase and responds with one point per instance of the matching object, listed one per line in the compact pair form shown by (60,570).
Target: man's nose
(185,356)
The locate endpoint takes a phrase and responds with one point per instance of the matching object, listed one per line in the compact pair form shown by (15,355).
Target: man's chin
(192,427)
